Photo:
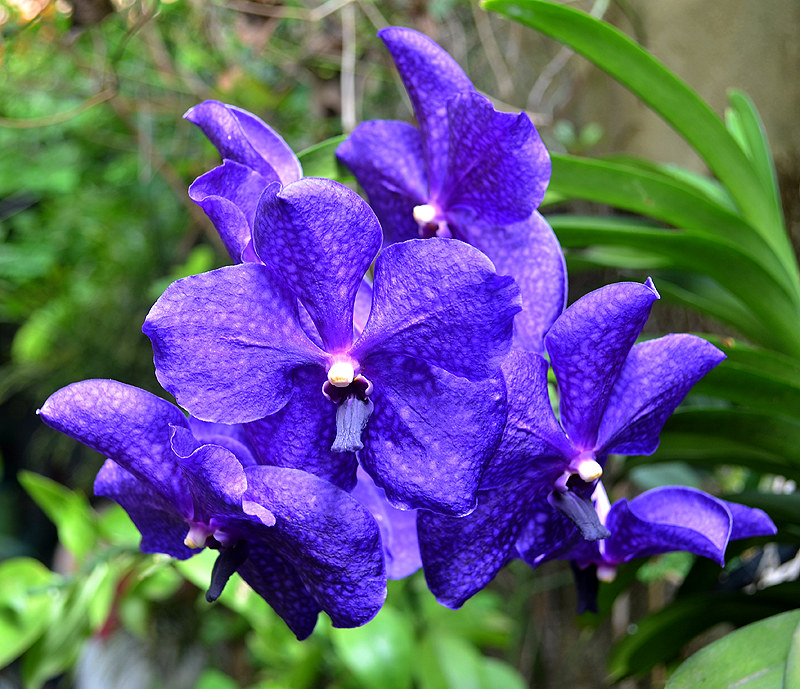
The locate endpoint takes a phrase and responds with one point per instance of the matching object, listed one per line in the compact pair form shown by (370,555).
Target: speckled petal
(749,521)
(162,527)
(230,436)
(656,377)
(229,195)
(278,583)
(217,482)
(529,252)
(226,343)
(301,434)
(362,307)
(549,535)
(461,555)
(431,434)
(588,345)
(330,540)
(440,300)
(666,519)
(386,158)
(126,424)
(431,78)
(498,166)
(241,136)
(533,447)
(321,238)
(398,528)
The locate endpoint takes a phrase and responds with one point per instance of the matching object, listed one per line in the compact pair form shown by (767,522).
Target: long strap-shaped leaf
(668,96)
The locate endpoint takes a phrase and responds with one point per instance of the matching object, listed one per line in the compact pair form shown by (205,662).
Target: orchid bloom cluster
(365,390)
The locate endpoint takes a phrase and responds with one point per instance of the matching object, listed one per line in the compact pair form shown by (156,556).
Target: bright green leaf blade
(669,200)
(753,139)
(28,604)
(717,258)
(69,511)
(670,97)
(320,161)
(381,653)
(754,657)
(447,662)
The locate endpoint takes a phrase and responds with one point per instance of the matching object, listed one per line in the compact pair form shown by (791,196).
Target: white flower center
(341,373)
(425,213)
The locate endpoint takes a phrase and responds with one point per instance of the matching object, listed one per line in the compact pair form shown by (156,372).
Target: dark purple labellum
(229,560)
(581,512)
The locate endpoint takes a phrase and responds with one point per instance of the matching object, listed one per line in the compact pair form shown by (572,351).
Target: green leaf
(69,511)
(687,250)
(28,605)
(381,653)
(659,637)
(745,123)
(447,662)
(762,655)
(760,440)
(670,97)
(669,200)
(320,161)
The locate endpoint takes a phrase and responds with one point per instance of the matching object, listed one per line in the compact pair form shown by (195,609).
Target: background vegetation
(95,222)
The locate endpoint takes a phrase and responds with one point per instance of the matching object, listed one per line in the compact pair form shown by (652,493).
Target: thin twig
(348,73)
(505,84)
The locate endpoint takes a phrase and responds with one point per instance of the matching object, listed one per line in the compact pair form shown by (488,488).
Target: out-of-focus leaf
(320,161)
(381,653)
(58,649)
(668,96)
(28,604)
(762,655)
(69,511)
(659,637)
(447,662)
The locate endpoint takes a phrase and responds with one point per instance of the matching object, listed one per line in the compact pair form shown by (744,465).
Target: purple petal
(431,78)
(498,166)
(749,521)
(666,519)
(656,377)
(431,434)
(461,555)
(163,529)
(588,345)
(529,252)
(321,238)
(533,442)
(126,424)
(386,158)
(278,583)
(217,483)
(301,434)
(241,136)
(440,300)
(226,343)
(231,437)
(549,535)
(398,528)
(229,195)
(363,305)
(330,540)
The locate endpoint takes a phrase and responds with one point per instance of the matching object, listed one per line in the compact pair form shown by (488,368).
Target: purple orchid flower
(418,393)
(615,397)
(254,156)
(469,172)
(301,543)
(658,521)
